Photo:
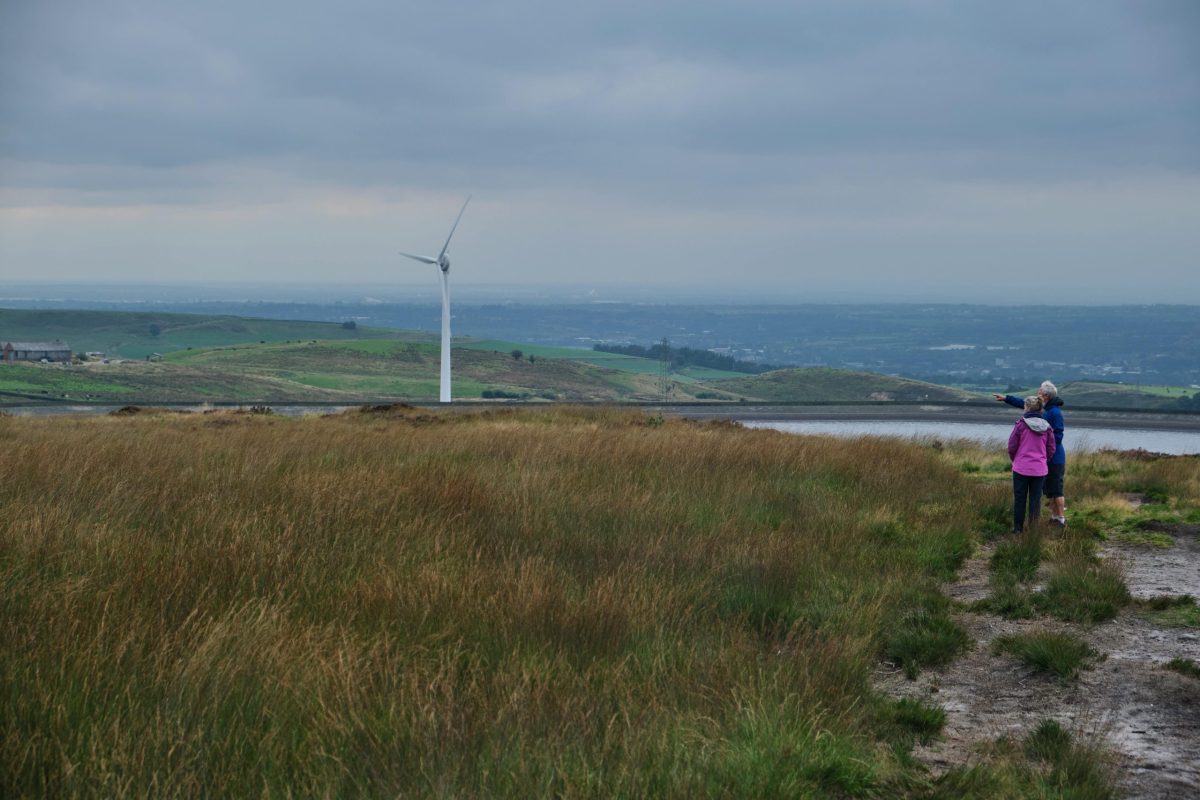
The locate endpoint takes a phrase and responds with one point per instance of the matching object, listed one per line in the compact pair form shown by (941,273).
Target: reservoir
(1174,442)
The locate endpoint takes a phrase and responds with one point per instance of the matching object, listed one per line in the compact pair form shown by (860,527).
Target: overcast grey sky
(974,151)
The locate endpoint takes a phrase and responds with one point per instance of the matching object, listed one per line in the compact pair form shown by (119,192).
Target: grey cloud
(615,90)
(856,143)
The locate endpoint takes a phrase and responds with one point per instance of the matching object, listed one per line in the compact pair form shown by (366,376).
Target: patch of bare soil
(1153,571)
(1149,716)
(973,579)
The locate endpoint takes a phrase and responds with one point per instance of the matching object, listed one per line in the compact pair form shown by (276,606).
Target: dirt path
(1148,715)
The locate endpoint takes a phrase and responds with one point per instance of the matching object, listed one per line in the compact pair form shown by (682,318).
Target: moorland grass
(1048,763)
(534,603)
(1017,558)
(1080,590)
(1009,600)
(1184,666)
(1179,611)
(1060,654)
(918,719)
(925,636)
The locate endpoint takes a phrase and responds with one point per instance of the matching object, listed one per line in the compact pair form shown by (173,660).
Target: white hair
(1049,389)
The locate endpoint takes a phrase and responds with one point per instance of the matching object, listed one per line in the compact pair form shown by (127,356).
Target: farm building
(35,351)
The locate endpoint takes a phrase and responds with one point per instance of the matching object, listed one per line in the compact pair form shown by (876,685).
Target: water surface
(1077,439)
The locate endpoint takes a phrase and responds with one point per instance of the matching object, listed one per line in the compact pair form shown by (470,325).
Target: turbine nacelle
(444,263)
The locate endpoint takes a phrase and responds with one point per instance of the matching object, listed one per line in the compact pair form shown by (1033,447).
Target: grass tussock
(1017,558)
(1048,763)
(534,603)
(925,636)
(1080,590)
(1062,655)
(1009,600)
(1172,611)
(919,720)
(1184,666)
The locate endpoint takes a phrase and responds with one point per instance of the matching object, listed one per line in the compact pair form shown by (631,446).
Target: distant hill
(237,359)
(821,384)
(409,370)
(1084,394)
(334,372)
(129,334)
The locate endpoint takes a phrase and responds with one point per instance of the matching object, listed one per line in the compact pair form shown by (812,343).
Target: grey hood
(1036,424)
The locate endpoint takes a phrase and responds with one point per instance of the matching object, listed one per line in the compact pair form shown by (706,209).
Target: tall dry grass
(557,602)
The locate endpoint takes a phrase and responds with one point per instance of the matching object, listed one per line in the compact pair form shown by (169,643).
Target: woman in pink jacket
(1030,446)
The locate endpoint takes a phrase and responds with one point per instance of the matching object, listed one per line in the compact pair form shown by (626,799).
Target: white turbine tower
(442,262)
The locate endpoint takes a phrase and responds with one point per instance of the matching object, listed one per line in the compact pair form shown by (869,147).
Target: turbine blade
(422,259)
(446,246)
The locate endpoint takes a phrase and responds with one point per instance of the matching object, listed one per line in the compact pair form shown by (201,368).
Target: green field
(618,361)
(1121,395)
(1106,394)
(326,371)
(389,369)
(836,385)
(247,360)
(135,335)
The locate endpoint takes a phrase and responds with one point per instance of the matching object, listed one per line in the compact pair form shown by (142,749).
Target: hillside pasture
(137,334)
(820,384)
(326,371)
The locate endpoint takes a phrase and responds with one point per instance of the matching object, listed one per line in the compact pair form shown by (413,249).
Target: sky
(1019,152)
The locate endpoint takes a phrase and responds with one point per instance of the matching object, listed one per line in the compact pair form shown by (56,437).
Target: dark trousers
(1026,488)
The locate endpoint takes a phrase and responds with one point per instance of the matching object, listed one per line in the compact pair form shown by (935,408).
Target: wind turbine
(442,262)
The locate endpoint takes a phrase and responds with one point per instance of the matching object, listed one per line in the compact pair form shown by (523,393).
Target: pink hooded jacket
(1031,446)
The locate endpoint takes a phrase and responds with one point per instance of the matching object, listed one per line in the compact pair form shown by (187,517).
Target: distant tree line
(1189,403)
(680,357)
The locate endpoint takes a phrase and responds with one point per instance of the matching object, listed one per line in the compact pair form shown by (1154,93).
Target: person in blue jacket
(1052,413)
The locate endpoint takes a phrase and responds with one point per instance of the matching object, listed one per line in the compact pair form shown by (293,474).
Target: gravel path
(1148,715)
